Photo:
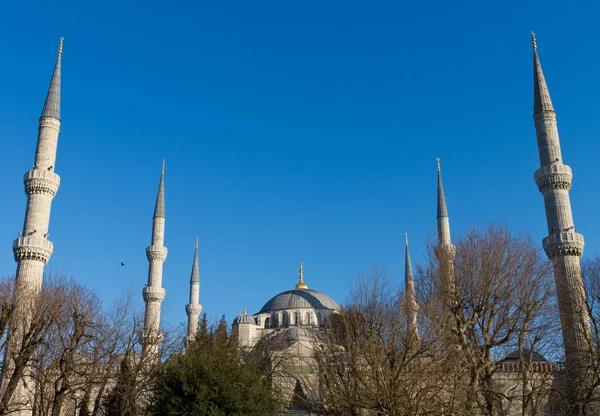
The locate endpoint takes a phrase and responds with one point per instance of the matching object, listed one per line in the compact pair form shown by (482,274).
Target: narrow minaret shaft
(445,251)
(411,302)
(33,249)
(193,309)
(564,245)
(153,292)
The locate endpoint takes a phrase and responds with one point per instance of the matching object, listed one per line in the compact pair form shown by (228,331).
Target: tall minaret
(411,302)
(33,249)
(153,292)
(193,309)
(445,250)
(564,246)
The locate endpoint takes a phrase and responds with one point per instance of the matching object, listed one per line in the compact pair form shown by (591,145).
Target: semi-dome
(299,298)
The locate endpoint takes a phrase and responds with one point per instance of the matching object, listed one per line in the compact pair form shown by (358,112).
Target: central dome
(300,298)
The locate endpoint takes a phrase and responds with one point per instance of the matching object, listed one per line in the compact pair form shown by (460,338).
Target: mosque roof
(300,298)
(527,354)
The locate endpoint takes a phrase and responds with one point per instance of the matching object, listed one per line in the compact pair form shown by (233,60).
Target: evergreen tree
(121,401)
(203,326)
(212,378)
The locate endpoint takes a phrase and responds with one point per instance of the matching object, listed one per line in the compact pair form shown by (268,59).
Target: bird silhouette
(122,264)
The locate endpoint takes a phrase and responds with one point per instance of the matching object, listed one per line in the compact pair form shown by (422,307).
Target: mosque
(296,315)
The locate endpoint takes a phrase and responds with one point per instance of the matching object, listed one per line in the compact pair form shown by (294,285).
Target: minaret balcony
(554,176)
(153,294)
(565,243)
(156,253)
(193,309)
(32,248)
(39,181)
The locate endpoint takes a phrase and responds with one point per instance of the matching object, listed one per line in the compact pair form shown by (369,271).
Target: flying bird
(122,264)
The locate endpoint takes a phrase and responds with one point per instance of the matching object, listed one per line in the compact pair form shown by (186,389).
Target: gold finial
(61,45)
(533,42)
(196,242)
(438,163)
(301,284)
(406,238)
(163,166)
(245,313)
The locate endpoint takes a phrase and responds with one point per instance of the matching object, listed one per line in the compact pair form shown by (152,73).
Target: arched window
(297,318)
(308,320)
(319,319)
(268,323)
(286,319)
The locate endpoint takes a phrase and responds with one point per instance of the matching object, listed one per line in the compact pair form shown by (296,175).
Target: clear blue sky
(292,130)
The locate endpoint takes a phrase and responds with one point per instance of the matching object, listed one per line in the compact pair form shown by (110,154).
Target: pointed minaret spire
(33,250)
(301,284)
(564,245)
(541,95)
(409,288)
(443,219)
(193,309)
(445,251)
(52,103)
(154,293)
(159,209)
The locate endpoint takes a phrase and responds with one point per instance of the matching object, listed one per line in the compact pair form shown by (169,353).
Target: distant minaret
(153,292)
(411,302)
(193,309)
(564,245)
(32,249)
(445,251)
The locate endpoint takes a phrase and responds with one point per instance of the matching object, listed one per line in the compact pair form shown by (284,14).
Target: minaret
(193,309)
(411,302)
(564,245)
(32,249)
(445,251)
(153,292)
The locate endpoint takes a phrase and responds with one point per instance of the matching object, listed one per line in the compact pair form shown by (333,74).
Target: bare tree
(368,362)
(504,301)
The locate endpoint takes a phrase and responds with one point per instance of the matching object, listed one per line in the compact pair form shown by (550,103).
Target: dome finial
(245,313)
(301,284)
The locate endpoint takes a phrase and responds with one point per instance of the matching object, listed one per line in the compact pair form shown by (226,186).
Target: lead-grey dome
(244,319)
(300,298)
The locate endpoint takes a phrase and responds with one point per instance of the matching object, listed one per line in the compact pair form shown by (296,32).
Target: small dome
(300,298)
(244,319)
